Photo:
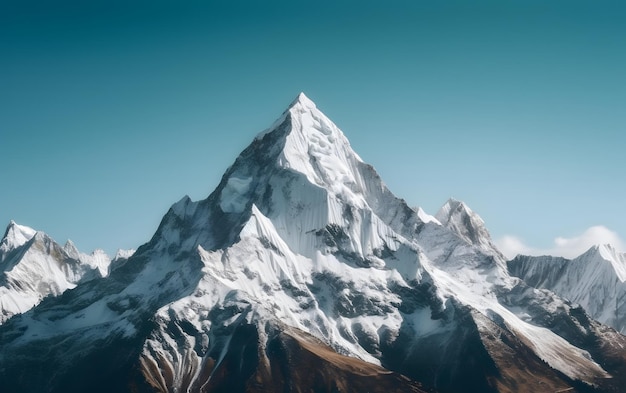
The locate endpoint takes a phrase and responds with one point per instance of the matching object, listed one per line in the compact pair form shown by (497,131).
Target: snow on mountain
(425,216)
(302,250)
(458,217)
(97,260)
(122,254)
(14,237)
(595,280)
(33,266)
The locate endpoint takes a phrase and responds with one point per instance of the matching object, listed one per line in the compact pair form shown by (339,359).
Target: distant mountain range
(302,272)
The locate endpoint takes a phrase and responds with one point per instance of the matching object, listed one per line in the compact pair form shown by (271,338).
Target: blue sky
(110,111)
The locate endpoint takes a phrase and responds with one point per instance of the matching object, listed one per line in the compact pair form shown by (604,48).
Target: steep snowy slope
(297,270)
(595,280)
(33,266)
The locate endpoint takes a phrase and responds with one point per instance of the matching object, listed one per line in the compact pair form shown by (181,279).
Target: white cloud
(563,247)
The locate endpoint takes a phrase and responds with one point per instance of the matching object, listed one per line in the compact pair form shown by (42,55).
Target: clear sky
(110,111)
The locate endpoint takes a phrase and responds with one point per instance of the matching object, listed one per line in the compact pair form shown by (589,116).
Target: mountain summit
(303,272)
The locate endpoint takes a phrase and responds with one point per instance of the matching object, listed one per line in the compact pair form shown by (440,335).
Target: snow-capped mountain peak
(458,217)
(303,101)
(595,280)
(33,266)
(15,236)
(451,209)
(98,259)
(303,141)
(315,147)
(71,250)
(303,173)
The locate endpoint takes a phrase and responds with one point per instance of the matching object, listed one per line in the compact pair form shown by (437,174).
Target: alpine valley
(301,272)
